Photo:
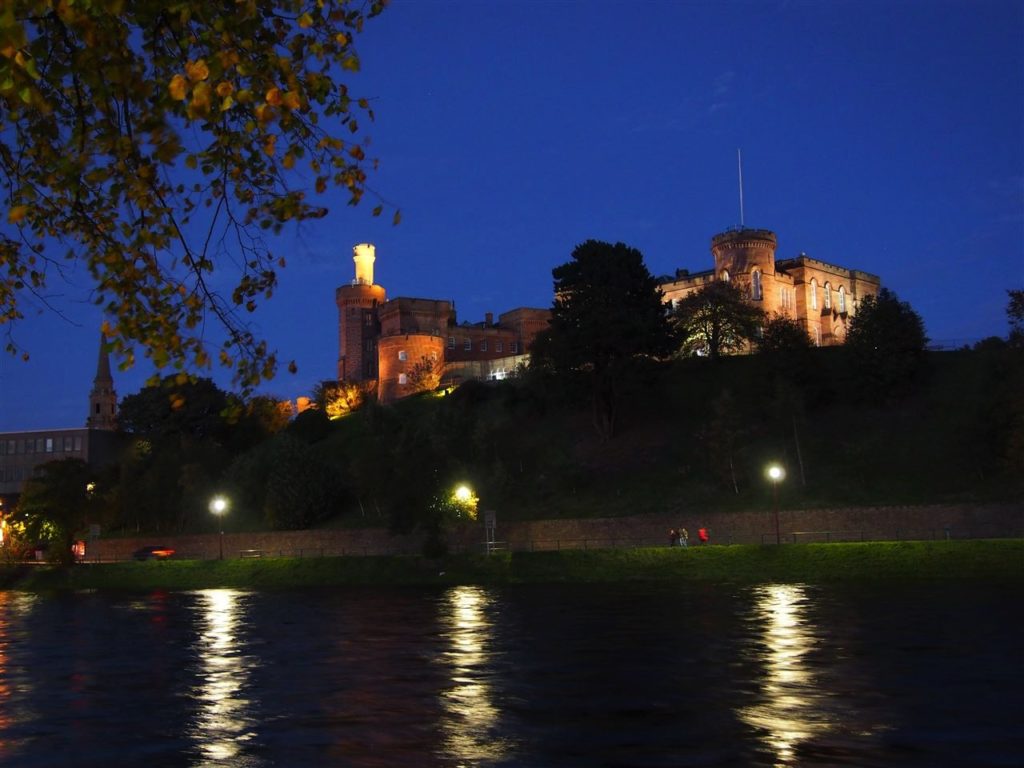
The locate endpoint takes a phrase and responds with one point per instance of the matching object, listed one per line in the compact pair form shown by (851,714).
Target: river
(580,675)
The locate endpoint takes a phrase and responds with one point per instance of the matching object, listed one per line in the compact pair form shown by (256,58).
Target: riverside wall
(956,521)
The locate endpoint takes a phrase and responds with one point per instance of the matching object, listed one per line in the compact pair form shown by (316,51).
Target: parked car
(153,552)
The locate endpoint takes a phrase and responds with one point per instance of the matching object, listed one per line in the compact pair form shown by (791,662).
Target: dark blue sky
(883,136)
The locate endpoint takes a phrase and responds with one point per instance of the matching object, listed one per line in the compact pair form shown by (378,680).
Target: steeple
(103,398)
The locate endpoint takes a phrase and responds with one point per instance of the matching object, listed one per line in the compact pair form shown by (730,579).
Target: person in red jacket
(702,534)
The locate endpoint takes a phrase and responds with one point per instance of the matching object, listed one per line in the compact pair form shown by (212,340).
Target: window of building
(513,347)
(498,346)
(403,378)
(49,445)
(451,342)
(755,285)
(403,355)
(814,293)
(826,295)
(67,444)
(467,345)
(725,276)
(842,299)
(10,447)
(483,346)
(368,319)
(78,443)
(817,335)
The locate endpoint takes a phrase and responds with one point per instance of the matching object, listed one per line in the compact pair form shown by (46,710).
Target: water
(625,675)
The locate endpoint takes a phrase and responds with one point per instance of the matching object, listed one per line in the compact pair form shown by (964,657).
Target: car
(153,552)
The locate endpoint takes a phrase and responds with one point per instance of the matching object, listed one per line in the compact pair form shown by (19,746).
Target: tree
(886,346)
(55,505)
(716,320)
(175,406)
(154,142)
(1015,314)
(338,398)
(608,311)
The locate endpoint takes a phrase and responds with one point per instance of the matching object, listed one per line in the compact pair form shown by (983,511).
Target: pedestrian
(673,537)
(684,538)
(702,534)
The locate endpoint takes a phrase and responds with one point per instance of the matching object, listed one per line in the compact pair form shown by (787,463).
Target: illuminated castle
(821,297)
(407,345)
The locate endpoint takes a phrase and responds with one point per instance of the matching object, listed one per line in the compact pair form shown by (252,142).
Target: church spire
(103,398)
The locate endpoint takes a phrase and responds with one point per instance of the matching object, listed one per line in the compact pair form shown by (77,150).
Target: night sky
(882,136)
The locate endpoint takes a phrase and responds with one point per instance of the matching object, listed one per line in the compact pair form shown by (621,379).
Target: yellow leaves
(178,88)
(341,38)
(306,21)
(273,96)
(197,70)
(17,213)
(264,113)
(269,146)
(225,89)
(289,161)
(291,100)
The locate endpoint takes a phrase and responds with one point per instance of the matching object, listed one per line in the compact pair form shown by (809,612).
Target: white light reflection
(470,715)
(223,725)
(790,712)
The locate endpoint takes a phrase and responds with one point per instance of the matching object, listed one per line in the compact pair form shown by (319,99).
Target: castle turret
(102,398)
(358,326)
(747,258)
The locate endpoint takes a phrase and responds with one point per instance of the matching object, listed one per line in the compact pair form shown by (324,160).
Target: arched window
(817,335)
(725,276)
(842,299)
(827,296)
(814,294)
(755,285)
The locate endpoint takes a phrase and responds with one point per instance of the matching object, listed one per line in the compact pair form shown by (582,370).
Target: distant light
(218,505)
(776,473)
(463,493)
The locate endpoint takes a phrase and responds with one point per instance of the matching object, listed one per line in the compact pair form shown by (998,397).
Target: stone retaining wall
(854,523)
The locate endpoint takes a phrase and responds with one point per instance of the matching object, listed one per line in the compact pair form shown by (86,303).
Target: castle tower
(103,398)
(746,257)
(358,325)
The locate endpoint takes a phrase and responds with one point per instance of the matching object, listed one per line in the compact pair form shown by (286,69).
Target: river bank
(983,560)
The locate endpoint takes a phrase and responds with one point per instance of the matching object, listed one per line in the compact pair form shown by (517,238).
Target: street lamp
(219,505)
(775,474)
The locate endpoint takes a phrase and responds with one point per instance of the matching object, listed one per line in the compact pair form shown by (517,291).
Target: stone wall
(845,524)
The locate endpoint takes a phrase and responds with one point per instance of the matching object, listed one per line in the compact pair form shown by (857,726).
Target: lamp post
(775,474)
(218,505)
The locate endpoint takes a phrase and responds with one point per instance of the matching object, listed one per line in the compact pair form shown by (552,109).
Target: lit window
(842,299)
(755,285)
(817,335)
(403,355)
(827,296)
(403,378)
(513,347)
(498,346)
(49,445)
(814,293)
(467,344)
(725,276)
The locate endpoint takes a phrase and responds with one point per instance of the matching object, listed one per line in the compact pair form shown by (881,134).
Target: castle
(406,345)
(821,297)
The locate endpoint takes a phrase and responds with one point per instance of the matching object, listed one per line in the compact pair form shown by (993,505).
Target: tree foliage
(1015,314)
(152,143)
(55,505)
(716,320)
(608,311)
(886,346)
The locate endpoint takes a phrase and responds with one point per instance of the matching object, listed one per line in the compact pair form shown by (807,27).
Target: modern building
(22,453)
(822,297)
(405,345)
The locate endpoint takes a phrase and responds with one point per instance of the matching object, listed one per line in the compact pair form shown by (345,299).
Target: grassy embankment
(989,560)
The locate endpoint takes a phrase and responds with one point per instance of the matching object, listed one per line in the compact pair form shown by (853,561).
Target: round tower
(358,327)
(739,251)
(409,363)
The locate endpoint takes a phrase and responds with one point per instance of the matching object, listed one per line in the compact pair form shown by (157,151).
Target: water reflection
(470,716)
(790,713)
(223,724)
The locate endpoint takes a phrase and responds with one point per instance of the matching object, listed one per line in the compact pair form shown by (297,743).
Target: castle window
(483,346)
(814,293)
(97,409)
(467,345)
(827,296)
(498,347)
(403,355)
(755,285)
(403,378)
(725,276)
(49,445)
(817,335)
(513,347)
(368,319)
(451,342)
(842,299)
